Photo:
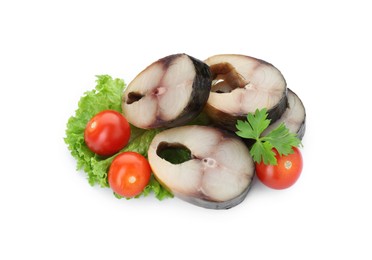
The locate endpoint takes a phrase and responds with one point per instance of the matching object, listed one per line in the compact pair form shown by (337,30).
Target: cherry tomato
(129,174)
(107,133)
(282,175)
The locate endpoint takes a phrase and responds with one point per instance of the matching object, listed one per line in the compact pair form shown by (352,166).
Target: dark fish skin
(294,117)
(222,119)
(201,88)
(228,121)
(217,205)
(209,204)
(302,129)
(167,60)
(277,111)
(201,192)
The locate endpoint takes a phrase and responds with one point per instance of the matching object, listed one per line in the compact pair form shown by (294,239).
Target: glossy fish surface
(170,92)
(216,172)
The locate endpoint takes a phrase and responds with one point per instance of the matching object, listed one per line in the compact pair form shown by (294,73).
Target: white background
(50,52)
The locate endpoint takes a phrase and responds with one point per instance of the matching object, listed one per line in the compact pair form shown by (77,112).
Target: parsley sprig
(279,138)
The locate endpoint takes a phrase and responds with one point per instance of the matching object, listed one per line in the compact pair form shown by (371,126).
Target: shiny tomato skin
(284,174)
(129,174)
(107,133)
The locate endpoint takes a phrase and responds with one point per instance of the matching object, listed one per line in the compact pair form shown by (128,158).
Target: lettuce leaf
(106,95)
(140,145)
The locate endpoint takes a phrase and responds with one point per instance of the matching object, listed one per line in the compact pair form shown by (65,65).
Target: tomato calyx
(288,165)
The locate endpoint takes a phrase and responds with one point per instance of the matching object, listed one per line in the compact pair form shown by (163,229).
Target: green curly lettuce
(139,145)
(106,95)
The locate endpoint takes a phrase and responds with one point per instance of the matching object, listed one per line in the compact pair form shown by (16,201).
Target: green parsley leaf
(263,151)
(280,138)
(255,125)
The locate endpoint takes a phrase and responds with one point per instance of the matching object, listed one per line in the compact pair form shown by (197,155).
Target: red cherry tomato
(129,174)
(107,133)
(282,175)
